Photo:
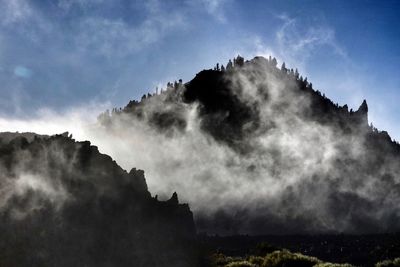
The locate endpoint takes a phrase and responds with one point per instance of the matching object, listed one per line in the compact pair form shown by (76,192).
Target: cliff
(63,203)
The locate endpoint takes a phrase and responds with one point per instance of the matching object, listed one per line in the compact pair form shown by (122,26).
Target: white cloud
(22,18)
(116,37)
(299,40)
(215,8)
(91,32)
(14,11)
(75,120)
(296,42)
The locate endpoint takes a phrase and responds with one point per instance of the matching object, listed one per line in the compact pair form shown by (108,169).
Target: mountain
(255,149)
(63,203)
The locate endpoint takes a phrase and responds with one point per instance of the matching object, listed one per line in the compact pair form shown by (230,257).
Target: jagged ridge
(66,204)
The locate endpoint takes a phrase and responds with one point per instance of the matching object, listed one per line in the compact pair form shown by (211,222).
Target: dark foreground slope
(63,203)
(260,151)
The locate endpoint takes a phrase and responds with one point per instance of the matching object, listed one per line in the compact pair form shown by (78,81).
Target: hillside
(257,150)
(65,204)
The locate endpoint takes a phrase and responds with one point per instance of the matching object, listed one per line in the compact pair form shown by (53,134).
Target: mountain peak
(174,199)
(362,113)
(363,107)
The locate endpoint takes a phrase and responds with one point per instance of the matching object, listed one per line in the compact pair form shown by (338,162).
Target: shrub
(256,260)
(240,264)
(219,259)
(263,249)
(282,258)
(285,258)
(389,263)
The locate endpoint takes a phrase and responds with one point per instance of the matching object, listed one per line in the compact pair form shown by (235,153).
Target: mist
(276,170)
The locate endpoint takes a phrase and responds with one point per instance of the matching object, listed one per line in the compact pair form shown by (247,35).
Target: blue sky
(60,54)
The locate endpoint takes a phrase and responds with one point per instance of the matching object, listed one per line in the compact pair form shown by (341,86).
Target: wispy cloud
(93,31)
(65,46)
(300,42)
(14,11)
(113,37)
(216,8)
(296,41)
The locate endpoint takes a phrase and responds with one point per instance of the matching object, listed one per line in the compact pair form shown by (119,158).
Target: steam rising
(279,172)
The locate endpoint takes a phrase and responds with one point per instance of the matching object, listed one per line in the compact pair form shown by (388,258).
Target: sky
(63,55)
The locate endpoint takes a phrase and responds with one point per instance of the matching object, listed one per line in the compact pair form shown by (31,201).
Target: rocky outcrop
(362,114)
(65,204)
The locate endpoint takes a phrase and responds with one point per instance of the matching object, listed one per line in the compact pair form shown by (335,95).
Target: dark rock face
(65,204)
(224,115)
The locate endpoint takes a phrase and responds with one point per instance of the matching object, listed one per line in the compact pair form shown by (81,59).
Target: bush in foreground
(288,259)
(389,263)
(278,258)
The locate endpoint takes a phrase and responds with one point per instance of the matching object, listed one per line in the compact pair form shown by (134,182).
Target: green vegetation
(389,263)
(278,258)
(286,258)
